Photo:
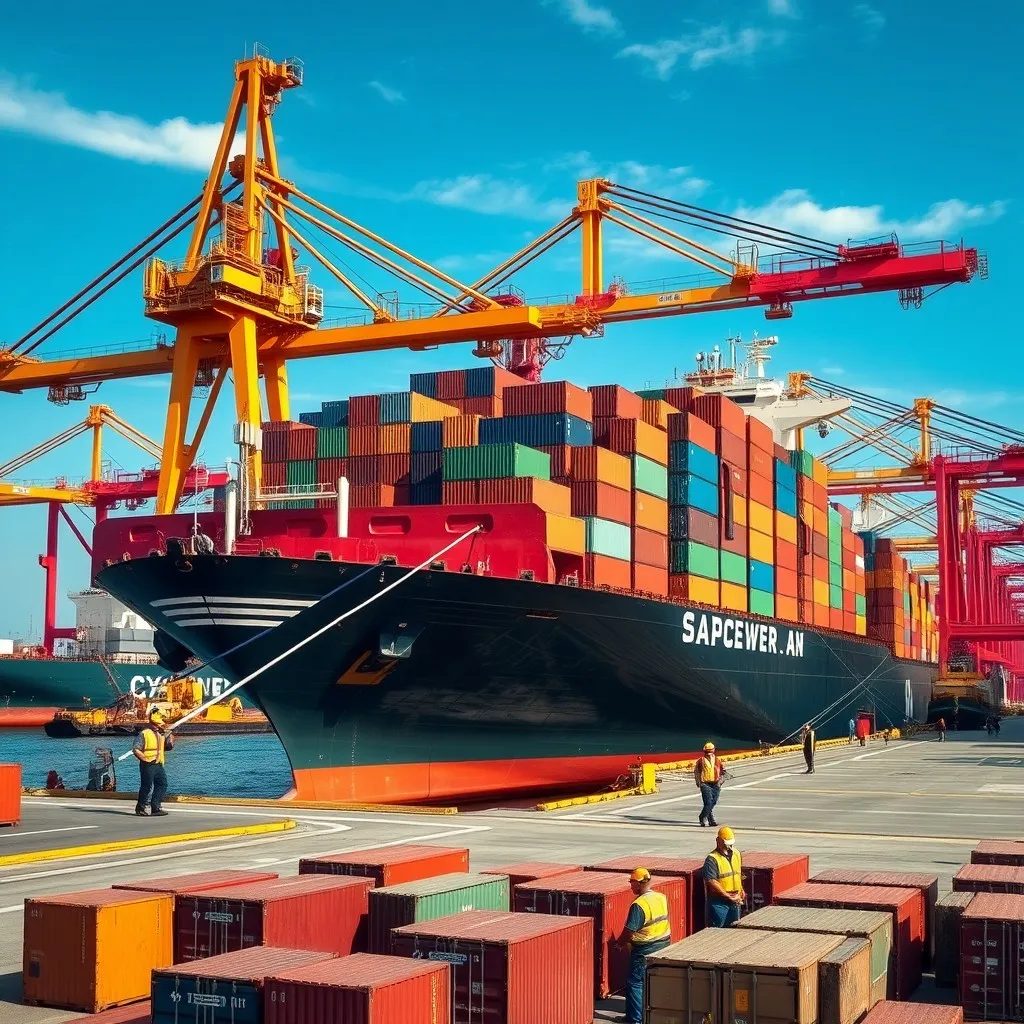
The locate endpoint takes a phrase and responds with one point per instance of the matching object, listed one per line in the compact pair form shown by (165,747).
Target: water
(249,766)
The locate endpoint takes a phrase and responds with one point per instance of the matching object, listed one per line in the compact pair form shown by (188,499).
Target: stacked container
(992,958)
(761,515)
(900,606)
(787,564)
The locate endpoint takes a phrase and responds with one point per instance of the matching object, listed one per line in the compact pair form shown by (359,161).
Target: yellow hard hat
(709,745)
(155,717)
(725,834)
(640,875)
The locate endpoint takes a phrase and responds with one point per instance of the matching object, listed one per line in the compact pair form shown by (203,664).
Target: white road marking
(1001,788)
(48,831)
(12,910)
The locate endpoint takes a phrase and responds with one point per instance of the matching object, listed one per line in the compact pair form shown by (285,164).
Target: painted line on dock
(142,842)
(47,831)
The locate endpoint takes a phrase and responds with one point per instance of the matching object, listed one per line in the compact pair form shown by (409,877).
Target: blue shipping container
(395,407)
(426,493)
(762,576)
(686,457)
(425,466)
(335,414)
(537,431)
(692,491)
(424,384)
(314,419)
(785,501)
(785,475)
(480,382)
(426,437)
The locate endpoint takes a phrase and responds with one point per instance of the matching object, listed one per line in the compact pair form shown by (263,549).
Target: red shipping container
(760,436)
(602,500)
(722,412)
(606,898)
(460,492)
(300,443)
(820,562)
(377,496)
(692,524)
(927,885)
(275,474)
(785,555)
(787,608)
(309,912)
(527,490)
(552,396)
(561,460)
(760,490)
(10,794)
(991,983)
(999,851)
(690,869)
(905,905)
(134,1013)
(602,571)
(364,440)
(530,871)
(390,865)
(360,989)
(490,406)
(450,384)
(681,398)
(888,1012)
(850,601)
(364,469)
(989,878)
(819,497)
(762,465)
(613,400)
(330,471)
(739,542)
(739,480)
(650,548)
(363,411)
(767,875)
(849,559)
(510,968)
(684,426)
(634,437)
(849,622)
(649,579)
(835,619)
(198,881)
(733,450)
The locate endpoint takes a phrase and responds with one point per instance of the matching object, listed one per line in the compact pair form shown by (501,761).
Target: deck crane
(238,303)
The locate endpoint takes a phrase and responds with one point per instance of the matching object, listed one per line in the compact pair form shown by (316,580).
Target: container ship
(608,577)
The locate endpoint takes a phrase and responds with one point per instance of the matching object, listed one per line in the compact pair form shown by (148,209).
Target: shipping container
(565,534)
(695,559)
(844,983)
(460,431)
(690,459)
(450,384)
(686,523)
(650,548)
(690,869)
(632,437)
(408,407)
(685,426)
(720,411)
(734,568)
(315,912)
(510,968)
(607,538)
(989,878)
(999,851)
(991,985)
(600,465)
(695,493)
(198,881)
(694,589)
(390,865)
(495,460)
(226,989)
(551,396)
(905,905)
(767,875)
(10,794)
(605,897)
(361,989)
(760,436)
(605,571)
(650,477)
(527,490)
(914,1013)
(611,400)
(649,579)
(735,597)
(73,954)
(538,430)
(760,602)
(488,381)
(602,501)
(426,436)
(948,914)
(529,871)
(332,443)
(131,1013)
(429,898)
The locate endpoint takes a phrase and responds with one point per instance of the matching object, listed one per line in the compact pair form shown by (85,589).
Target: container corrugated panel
(686,457)
(10,794)
(311,419)
(510,968)
(226,989)
(657,412)
(991,983)
(693,492)
(301,473)
(330,471)
(844,983)
(761,576)
(487,381)
(378,495)
(604,571)
(720,411)
(529,871)
(948,913)
(429,898)
(390,865)
(607,538)
(650,513)
(308,912)
(489,407)
(424,384)
(460,492)
(450,384)
(198,880)
(914,1013)
(733,568)
(760,602)
(428,492)
(634,437)
(766,875)
(731,449)
(527,490)
(332,443)
(424,467)
(989,878)
(688,868)
(460,431)
(361,989)
(599,465)
(694,588)
(687,523)
(650,477)
(551,396)
(426,436)
(565,534)
(589,498)
(685,426)
(998,851)
(650,548)
(649,579)
(334,414)
(73,951)
(538,430)
(487,461)
(695,559)
(613,400)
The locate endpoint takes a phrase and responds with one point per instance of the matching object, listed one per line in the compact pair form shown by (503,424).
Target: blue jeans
(709,794)
(721,915)
(635,981)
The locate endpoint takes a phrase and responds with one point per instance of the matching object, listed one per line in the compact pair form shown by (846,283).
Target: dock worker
(150,749)
(940,727)
(809,741)
(853,730)
(723,882)
(647,931)
(707,774)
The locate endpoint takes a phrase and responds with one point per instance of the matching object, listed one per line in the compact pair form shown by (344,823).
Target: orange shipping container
(613,400)
(760,464)
(634,437)
(364,440)
(785,527)
(819,568)
(649,512)
(90,950)
(650,548)
(684,426)
(760,436)
(656,412)
(739,510)
(820,496)
(551,396)
(527,490)
(761,490)
(761,518)
(787,608)
(835,618)
(602,501)
(786,583)
(819,521)
(821,615)
(820,473)
(10,794)
(460,431)
(602,571)
(848,581)
(650,579)
(785,555)
(489,406)
(683,587)
(395,438)
(602,465)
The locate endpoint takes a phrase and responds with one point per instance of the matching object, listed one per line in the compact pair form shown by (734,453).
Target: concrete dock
(911,805)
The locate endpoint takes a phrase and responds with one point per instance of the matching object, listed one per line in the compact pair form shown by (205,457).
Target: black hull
(507,685)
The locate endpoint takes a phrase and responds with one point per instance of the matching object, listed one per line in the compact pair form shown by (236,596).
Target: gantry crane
(240,303)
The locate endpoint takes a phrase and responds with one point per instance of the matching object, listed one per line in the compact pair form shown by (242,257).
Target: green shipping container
(761,602)
(835,525)
(835,596)
(835,574)
(802,461)
(332,443)
(607,538)
(430,898)
(649,477)
(862,604)
(653,393)
(301,473)
(696,559)
(734,568)
(494,461)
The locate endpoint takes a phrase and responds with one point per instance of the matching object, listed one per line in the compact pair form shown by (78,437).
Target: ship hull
(491,686)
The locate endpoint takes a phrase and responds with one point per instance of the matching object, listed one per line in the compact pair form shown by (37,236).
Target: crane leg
(246,371)
(177,458)
(275,380)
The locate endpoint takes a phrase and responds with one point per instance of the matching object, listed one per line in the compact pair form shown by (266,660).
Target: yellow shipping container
(785,527)
(739,509)
(566,534)
(423,409)
(694,588)
(734,597)
(820,473)
(650,513)
(821,592)
(761,518)
(460,431)
(656,413)
(862,625)
(761,547)
(806,510)
(611,468)
(819,521)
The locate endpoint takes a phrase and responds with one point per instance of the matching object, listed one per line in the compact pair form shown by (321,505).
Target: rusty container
(361,989)
(767,875)
(989,878)
(390,865)
(10,794)
(689,868)
(914,1013)
(949,912)
(315,912)
(991,984)
(76,944)
(529,871)
(130,1013)
(510,968)
(844,983)
(999,851)
(198,881)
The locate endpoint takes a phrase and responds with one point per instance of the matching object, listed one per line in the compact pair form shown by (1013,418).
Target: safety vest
(730,870)
(152,746)
(656,926)
(709,769)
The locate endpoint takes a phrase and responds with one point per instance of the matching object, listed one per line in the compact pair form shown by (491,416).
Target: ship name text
(709,630)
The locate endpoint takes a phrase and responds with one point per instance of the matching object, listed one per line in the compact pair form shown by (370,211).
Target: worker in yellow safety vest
(647,930)
(150,749)
(707,774)
(723,882)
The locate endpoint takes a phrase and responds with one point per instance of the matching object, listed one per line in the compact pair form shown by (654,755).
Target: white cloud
(656,178)
(833,371)
(782,8)
(175,142)
(589,17)
(484,193)
(870,17)
(796,210)
(386,93)
(708,46)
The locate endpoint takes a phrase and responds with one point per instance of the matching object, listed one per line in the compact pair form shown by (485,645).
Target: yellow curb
(579,801)
(245,801)
(145,841)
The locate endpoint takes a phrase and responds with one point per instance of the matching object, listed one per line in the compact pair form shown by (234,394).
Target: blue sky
(460,136)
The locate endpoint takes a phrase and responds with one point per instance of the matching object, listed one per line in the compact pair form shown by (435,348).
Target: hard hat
(725,834)
(640,875)
(709,745)
(155,717)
